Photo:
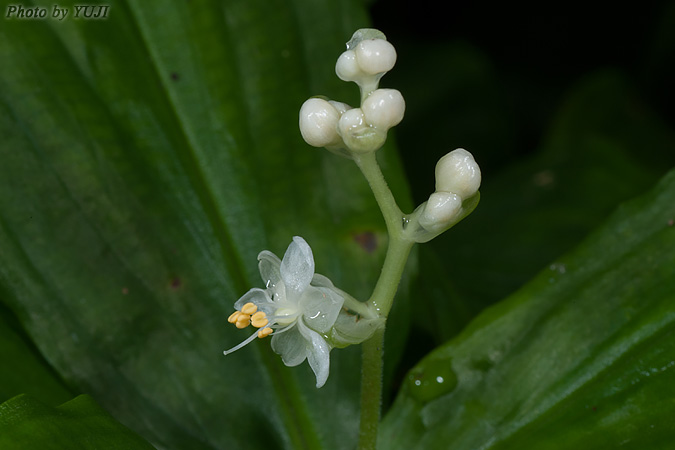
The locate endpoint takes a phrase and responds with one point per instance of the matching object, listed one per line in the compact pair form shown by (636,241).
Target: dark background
(534,56)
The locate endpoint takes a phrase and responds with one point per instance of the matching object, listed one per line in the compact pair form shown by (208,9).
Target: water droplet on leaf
(431,380)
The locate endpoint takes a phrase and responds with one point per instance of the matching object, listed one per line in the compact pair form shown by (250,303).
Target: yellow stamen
(243,321)
(260,322)
(259,319)
(264,332)
(233,317)
(249,308)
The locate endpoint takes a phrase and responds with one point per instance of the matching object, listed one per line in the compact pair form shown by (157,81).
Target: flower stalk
(357,133)
(371,390)
(303,312)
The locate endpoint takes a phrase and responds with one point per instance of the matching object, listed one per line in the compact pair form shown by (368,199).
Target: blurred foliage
(27,424)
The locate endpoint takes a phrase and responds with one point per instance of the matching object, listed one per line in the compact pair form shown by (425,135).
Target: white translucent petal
(269,268)
(320,308)
(322,281)
(297,267)
(278,294)
(258,297)
(318,353)
(291,345)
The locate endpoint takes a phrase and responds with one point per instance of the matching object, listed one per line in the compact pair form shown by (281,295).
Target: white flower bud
(318,123)
(440,210)
(384,108)
(351,122)
(458,172)
(347,68)
(357,135)
(375,56)
(339,106)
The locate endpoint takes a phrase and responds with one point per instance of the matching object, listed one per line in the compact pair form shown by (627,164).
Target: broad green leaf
(581,357)
(26,424)
(24,370)
(146,159)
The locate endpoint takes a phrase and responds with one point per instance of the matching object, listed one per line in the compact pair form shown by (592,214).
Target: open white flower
(297,307)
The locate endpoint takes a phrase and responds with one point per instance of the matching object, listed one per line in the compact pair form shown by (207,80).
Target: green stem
(371,390)
(398,248)
(381,300)
(390,277)
(393,217)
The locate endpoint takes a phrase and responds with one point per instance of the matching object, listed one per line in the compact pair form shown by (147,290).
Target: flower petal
(318,353)
(291,345)
(320,307)
(269,268)
(297,267)
(259,298)
(319,280)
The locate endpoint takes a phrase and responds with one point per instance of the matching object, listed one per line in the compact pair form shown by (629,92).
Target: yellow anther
(243,321)
(249,308)
(259,319)
(233,317)
(260,322)
(264,332)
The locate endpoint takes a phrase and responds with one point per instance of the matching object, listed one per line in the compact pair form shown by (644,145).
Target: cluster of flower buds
(345,130)
(457,181)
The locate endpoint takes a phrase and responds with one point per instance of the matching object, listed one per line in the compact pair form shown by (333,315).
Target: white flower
(297,307)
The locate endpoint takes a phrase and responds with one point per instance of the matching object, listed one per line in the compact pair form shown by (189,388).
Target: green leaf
(581,357)
(27,424)
(24,369)
(146,159)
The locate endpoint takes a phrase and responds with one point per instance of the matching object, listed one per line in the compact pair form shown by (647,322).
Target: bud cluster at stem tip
(345,130)
(458,178)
